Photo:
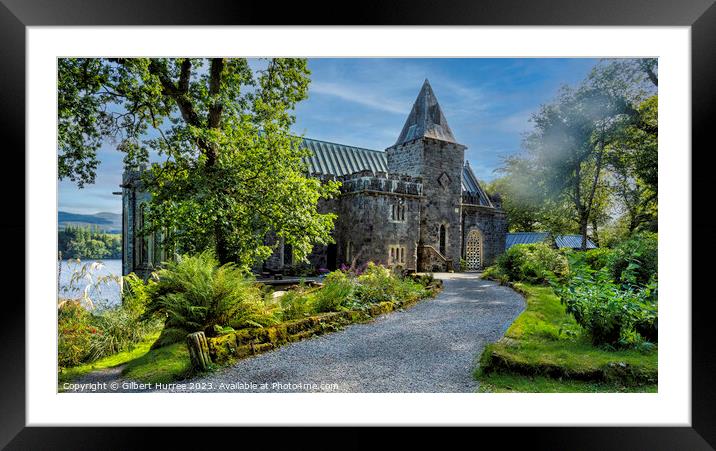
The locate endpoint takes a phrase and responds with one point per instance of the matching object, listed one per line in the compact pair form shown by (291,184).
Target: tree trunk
(198,351)
(222,251)
(583,224)
(595,233)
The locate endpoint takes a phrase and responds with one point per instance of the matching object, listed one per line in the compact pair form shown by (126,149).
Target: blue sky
(364,102)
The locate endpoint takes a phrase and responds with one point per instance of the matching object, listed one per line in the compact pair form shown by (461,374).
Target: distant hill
(106,222)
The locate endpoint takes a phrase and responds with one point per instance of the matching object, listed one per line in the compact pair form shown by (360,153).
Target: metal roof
(472,187)
(572,241)
(339,159)
(426,119)
(524,238)
(562,241)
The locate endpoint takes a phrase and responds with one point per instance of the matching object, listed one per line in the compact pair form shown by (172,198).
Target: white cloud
(358,95)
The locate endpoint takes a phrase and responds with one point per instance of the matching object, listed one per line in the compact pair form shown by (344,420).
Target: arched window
(443,240)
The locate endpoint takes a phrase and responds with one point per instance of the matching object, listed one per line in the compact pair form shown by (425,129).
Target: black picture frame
(16,15)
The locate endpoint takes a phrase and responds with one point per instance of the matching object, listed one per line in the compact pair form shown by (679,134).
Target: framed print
(407,218)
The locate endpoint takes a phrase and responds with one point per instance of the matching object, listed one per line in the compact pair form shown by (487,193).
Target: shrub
(297,303)
(463,265)
(336,294)
(379,284)
(605,309)
(137,293)
(376,284)
(195,294)
(496,272)
(75,329)
(597,258)
(534,263)
(635,261)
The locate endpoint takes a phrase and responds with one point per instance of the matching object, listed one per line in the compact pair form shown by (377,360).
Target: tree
(569,143)
(633,163)
(223,169)
(526,205)
(592,150)
(523,210)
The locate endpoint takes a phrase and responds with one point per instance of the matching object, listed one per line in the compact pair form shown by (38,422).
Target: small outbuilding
(560,241)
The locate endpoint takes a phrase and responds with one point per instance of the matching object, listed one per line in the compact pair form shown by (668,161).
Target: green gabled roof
(339,159)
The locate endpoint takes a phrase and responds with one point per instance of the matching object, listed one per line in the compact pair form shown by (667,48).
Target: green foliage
(86,336)
(81,121)
(137,293)
(141,348)
(75,330)
(336,294)
(545,346)
(515,383)
(608,310)
(88,243)
(595,259)
(195,293)
(534,263)
(496,272)
(635,261)
(593,148)
(426,279)
(380,284)
(228,172)
(87,330)
(297,303)
(463,265)
(119,329)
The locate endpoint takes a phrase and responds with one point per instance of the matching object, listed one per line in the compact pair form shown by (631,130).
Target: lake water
(106,293)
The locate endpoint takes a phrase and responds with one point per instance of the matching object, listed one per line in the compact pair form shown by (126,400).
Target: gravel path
(429,347)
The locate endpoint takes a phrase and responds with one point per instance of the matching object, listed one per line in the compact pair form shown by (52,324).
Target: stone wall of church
(492,223)
(439,165)
(376,213)
(406,158)
(365,229)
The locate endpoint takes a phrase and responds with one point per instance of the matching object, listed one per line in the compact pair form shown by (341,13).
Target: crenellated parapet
(381,182)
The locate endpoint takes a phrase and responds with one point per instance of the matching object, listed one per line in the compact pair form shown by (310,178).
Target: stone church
(416,205)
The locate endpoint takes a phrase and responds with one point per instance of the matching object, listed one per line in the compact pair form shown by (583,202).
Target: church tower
(426,148)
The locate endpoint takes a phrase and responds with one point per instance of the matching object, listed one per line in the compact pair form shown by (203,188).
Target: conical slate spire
(426,119)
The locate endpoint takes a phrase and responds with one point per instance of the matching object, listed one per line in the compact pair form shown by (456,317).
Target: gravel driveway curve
(429,347)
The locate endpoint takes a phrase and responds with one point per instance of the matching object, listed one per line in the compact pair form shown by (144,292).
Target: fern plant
(194,293)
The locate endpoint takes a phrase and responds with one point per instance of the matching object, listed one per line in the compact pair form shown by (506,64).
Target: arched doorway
(473,250)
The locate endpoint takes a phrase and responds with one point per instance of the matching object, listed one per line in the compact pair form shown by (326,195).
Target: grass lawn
(165,364)
(545,350)
(516,383)
(69,374)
